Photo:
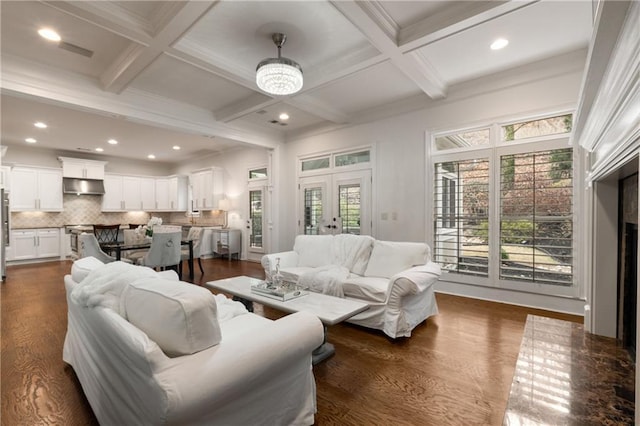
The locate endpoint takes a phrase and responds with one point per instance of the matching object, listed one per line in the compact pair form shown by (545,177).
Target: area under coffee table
(330,310)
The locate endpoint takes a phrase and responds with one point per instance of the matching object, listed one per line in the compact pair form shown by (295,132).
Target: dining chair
(164,251)
(195,234)
(106,233)
(132,236)
(88,246)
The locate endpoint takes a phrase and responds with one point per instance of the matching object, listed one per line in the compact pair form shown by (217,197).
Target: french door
(338,203)
(256,235)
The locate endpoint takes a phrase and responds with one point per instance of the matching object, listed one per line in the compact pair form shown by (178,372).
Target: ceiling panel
(70,129)
(298,119)
(405,13)
(144,9)
(370,88)
(535,32)
(21,21)
(237,35)
(172,78)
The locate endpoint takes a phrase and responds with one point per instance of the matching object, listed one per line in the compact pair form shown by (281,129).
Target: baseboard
(566,305)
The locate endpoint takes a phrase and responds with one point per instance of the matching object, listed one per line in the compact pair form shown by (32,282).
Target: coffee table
(330,310)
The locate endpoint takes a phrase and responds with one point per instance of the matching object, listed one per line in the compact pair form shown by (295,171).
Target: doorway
(335,204)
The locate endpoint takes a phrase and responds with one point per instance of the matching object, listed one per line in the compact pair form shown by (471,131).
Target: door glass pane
(315,164)
(350,208)
(312,210)
(258,173)
(255,216)
(352,158)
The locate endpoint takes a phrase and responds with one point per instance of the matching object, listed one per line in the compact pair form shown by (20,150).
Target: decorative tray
(285,291)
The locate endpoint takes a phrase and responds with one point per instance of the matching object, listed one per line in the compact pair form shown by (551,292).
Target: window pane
(352,158)
(258,173)
(536,224)
(350,208)
(535,128)
(462,140)
(315,164)
(255,215)
(312,210)
(462,216)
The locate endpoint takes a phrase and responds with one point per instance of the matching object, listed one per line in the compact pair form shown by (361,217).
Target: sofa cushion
(390,257)
(373,289)
(292,274)
(352,251)
(313,250)
(81,267)
(180,317)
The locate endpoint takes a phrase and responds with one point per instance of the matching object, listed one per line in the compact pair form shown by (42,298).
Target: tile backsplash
(86,210)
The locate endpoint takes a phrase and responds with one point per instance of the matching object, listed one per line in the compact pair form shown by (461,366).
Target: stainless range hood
(82,186)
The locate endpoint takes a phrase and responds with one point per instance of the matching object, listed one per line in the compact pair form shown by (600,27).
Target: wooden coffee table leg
(324,351)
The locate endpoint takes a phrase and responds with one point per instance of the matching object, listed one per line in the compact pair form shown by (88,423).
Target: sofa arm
(412,281)
(255,376)
(288,259)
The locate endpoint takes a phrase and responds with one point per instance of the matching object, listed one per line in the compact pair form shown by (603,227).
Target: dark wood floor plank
(456,369)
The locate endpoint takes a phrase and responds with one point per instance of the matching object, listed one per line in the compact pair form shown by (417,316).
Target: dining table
(116,249)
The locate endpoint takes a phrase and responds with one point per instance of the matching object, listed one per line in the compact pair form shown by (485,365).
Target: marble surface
(565,376)
(331,310)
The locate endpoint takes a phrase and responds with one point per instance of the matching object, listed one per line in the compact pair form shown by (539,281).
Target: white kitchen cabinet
(131,196)
(112,199)
(35,243)
(5,178)
(171,193)
(207,188)
(83,169)
(36,189)
(148,193)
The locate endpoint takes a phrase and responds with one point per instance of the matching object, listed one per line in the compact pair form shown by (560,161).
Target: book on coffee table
(286,291)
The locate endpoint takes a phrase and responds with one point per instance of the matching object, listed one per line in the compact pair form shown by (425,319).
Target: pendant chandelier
(279,76)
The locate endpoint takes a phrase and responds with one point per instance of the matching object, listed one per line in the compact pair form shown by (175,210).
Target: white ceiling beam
(251,104)
(28,78)
(454,19)
(366,19)
(110,16)
(136,58)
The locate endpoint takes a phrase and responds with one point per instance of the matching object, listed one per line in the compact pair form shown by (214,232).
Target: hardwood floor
(456,369)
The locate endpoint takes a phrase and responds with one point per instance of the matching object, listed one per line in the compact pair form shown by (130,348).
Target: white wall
(399,169)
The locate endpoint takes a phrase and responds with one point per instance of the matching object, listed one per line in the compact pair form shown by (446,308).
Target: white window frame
(332,160)
(493,152)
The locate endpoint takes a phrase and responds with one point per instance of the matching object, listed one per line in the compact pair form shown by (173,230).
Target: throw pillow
(180,317)
(390,257)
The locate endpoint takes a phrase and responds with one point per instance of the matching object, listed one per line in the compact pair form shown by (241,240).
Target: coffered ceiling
(166,73)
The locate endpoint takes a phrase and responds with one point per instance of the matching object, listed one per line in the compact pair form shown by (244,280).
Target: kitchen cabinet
(141,193)
(207,188)
(36,189)
(226,242)
(5,178)
(83,169)
(171,193)
(35,243)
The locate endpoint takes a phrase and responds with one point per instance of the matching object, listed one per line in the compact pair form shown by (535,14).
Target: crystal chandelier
(279,76)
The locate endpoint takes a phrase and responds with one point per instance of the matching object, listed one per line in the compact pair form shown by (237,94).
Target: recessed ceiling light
(112,142)
(499,44)
(151,157)
(176,147)
(30,140)
(40,125)
(49,34)
(284,116)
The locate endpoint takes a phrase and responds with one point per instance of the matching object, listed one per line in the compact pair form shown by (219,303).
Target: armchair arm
(287,259)
(250,379)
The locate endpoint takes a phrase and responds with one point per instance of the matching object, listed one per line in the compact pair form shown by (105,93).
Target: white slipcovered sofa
(395,278)
(149,349)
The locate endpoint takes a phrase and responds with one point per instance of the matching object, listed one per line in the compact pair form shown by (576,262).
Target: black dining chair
(106,233)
